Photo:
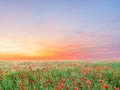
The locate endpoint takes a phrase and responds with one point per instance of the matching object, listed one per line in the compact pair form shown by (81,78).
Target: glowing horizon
(60,29)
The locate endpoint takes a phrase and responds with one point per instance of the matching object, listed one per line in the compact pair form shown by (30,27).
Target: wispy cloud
(76,30)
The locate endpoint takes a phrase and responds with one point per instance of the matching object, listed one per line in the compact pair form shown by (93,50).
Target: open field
(62,75)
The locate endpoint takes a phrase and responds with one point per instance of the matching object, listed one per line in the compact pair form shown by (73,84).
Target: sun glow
(8,47)
(12,48)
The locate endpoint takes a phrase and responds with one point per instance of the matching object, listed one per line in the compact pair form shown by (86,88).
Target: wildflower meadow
(59,76)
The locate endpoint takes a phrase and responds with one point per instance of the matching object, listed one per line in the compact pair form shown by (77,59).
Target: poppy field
(62,75)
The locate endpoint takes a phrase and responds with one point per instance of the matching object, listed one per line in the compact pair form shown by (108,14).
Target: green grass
(50,75)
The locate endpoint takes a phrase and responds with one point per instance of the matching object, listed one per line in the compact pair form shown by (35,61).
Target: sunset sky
(60,29)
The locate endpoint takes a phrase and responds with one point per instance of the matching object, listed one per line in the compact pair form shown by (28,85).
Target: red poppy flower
(31,81)
(88,82)
(22,84)
(101,81)
(115,88)
(67,88)
(106,86)
(88,87)
(62,85)
(76,88)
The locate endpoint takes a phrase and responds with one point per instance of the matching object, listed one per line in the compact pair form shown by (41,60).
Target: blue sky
(91,27)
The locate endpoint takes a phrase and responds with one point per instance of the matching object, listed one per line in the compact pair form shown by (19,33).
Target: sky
(60,29)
